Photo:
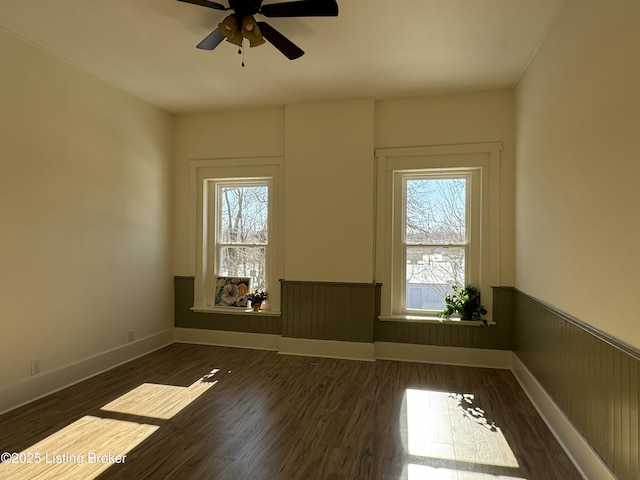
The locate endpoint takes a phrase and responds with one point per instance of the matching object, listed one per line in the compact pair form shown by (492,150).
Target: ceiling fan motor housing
(245,7)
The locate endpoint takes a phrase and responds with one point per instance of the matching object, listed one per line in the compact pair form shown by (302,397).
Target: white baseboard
(222,338)
(468,357)
(326,348)
(32,388)
(586,460)
(473,357)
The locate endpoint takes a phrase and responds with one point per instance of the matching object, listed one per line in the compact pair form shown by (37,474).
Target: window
(436,227)
(242,237)
(237,227)
(435,236)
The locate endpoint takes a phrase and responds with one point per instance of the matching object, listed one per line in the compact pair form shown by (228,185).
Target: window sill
(431,319)
(235,311)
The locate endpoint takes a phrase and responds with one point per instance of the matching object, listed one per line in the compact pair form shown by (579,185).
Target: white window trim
(483,157)
(202,173)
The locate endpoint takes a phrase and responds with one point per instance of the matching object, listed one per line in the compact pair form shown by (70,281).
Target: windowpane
(244,214)
(431,273)
(244,262)
(436,211)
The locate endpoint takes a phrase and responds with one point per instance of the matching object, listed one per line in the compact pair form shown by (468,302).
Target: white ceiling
(374,48)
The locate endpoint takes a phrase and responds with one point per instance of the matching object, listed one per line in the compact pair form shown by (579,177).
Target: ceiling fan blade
(282,43)
(211,41)
(301,8)
(206,3)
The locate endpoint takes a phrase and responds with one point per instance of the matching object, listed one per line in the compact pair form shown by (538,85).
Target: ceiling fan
(241,23)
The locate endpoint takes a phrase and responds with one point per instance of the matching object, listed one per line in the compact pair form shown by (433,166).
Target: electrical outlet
(132,335)
(35,367)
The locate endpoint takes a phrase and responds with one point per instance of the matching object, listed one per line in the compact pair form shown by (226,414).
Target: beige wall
(578,118)
(85,215)
(329,200)
(328,150)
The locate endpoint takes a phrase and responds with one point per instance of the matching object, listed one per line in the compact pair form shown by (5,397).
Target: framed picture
(231,292)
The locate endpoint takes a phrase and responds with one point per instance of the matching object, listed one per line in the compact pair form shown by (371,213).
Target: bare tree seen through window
(243,232)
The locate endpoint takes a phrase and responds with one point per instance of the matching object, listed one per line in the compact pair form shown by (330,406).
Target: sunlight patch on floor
(160,401)
(447,436)
(424,472)
(87,447)
(81,450)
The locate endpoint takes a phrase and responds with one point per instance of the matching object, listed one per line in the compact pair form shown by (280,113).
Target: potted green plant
(257,298)
(465,302)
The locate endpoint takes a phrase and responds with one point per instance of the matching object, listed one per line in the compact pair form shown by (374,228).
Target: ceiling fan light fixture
(241,24)
(229,28)
(251,31)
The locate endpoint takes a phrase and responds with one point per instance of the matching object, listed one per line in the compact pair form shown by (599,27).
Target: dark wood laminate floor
(200,412)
